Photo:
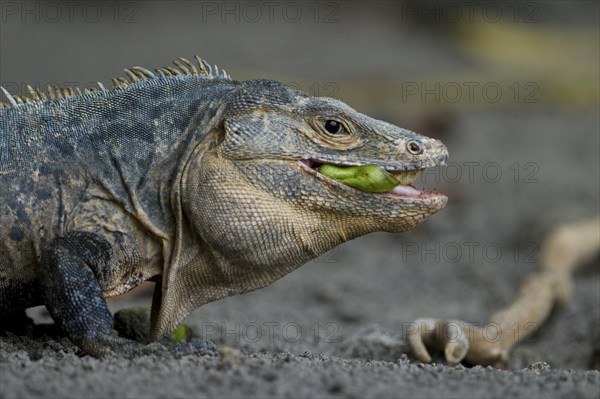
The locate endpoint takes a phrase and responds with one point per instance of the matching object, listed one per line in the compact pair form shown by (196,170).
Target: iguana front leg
(565,249)
(70,275)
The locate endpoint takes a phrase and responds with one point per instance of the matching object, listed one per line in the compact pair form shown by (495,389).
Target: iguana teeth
(406,177)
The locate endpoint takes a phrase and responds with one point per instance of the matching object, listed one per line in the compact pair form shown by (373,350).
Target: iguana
(206,185)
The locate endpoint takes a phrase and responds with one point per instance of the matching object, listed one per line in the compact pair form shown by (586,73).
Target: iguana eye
(334,127)
(333,133)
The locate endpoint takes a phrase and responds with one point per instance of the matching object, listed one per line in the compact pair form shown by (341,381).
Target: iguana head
(255,207)
(256,188)
(278,137)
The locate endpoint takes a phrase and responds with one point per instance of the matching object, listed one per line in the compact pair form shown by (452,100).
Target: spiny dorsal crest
(182,66)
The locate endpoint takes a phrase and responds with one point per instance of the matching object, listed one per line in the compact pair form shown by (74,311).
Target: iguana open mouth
(393,183)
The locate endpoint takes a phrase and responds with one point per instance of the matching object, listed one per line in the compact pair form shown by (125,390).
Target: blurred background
(512,89)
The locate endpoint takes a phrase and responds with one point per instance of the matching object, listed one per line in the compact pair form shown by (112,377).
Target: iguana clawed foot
(133,326)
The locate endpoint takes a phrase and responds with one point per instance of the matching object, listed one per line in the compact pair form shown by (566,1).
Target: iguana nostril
(414,147)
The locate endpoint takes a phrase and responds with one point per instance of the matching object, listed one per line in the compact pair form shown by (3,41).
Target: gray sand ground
(335,326)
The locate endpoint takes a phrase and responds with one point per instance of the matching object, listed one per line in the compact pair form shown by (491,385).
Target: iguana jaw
(404,191)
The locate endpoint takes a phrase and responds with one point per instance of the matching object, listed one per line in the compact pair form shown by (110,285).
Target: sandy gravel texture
(51,371)
(335,327)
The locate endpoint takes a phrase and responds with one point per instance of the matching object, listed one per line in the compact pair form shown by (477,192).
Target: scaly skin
(203,184)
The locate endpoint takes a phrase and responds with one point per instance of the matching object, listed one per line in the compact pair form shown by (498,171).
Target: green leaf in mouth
(368,178)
